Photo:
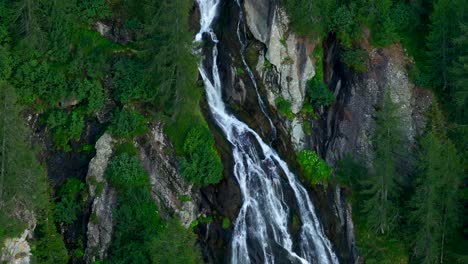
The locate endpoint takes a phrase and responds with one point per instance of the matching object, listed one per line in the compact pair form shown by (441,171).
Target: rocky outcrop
(285,67)
(171,192)
(104,200)
(17,250)
(352,117)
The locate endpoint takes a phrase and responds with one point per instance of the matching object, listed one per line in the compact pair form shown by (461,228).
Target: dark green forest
(55,66)
(401,218)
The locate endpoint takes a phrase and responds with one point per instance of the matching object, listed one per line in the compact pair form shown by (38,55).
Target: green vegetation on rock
(314,169)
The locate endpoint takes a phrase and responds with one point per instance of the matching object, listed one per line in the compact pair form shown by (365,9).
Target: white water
(262,228)
(243,42)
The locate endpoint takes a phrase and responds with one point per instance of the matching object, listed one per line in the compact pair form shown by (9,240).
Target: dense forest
(58,73)
(401,217)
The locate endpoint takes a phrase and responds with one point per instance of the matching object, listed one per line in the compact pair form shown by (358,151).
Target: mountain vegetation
(63,78)
(400,218)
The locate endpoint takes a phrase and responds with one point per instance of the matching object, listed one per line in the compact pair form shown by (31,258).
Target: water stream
(262,232)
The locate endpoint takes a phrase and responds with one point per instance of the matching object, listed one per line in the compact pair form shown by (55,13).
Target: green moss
(284,107)
(267,64)
(185,198)
(226,223)
(126,147)
(287,61)
(240,71)
(251,55)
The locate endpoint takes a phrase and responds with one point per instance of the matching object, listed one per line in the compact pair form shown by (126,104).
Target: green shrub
(125,171)
(48,245)
(226,223)
(136,216)
(319,93)
(69,196)
(355,59)
(127,124)
(130,82)
(175,244)
(284,107)
(65,126)
(313,167)
(126,147)
(201,163)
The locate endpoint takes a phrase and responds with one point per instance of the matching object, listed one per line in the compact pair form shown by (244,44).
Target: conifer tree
(381,187)
(436,203)
(168,51)
(441,52)
(459,75)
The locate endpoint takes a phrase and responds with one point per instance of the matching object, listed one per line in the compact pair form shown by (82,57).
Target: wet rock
(104,200)
(285,67)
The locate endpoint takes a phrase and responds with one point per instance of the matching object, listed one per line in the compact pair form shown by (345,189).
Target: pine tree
(436,204)
(382,188)
(441,52)
(28,18)
(168,51)
(459,74)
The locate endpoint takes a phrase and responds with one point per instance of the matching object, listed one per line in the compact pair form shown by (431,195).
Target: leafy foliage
(201,164)
(131,83)
(137,219)
(22,179)
(48,245)
(127,124)
(68,207)
(313,167)
(284,107)
(175,244)
(355,59)
(319,92)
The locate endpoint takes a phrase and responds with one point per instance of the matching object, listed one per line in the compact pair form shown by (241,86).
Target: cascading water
(261,232)
(243,42)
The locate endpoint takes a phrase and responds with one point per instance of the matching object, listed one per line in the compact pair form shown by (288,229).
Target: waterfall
(243,42)
(262,229)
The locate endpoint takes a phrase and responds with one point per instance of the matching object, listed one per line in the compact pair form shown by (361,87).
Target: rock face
(354,112)
(104,200)
(17,250)
(171,192)
(285,67)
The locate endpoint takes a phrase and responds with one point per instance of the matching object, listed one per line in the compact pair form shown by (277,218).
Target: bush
(130,82)
(127,124)
(313,167)
(48,246)
(175,244)
(136,216)
(125,171)
(201,164)
(68,207)
(284,107)
(355,59)
(319,93)
(65,126)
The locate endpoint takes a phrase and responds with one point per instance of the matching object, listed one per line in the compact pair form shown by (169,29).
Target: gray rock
(258,16)
(291,65)
(355,123)
(104,200)
(167,185)
(17,250)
